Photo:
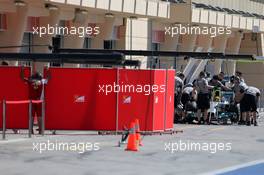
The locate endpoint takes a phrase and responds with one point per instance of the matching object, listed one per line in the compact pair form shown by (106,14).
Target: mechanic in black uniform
(203,100)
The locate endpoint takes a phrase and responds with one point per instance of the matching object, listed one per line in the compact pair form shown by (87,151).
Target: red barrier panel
(169,117)
(14,88)
(149,105)
(73,100)
(77,99)
(133,105)
(159,101)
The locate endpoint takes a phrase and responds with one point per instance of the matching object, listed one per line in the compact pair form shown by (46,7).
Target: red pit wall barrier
(13,88)
(169,117)
(149,108)
(159,101)
(73,100)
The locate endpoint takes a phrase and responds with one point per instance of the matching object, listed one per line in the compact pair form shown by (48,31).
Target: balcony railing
(154,8)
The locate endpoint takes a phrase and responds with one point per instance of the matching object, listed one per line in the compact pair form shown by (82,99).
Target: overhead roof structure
(197,55)
(78,58)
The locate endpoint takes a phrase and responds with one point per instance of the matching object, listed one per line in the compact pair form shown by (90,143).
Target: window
(116,32)
(109,44)
(32,22)
(87,43)
(3,22)
(27,42)
(54,64)
(158,36)
(154,61)
(254,36)
(155,46)
(93,34)
(244,36)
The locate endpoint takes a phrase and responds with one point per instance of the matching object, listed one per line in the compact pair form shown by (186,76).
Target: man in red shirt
(35,91)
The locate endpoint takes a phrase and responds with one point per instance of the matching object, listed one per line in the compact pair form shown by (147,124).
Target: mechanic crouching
(188,100)
(179,83)
(247,97)
(241,98)
(177,96)
(252,95)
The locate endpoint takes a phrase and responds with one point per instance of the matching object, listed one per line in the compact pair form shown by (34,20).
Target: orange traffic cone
(138,132)
(132,144)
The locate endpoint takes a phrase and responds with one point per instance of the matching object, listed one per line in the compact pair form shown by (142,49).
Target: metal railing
(30,117)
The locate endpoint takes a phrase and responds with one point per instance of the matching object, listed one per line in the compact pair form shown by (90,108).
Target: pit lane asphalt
(17,156)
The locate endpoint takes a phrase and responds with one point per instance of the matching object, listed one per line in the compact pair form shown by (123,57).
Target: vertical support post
(175,63)
(43,107)
(135,6)
(43,118)
(109,6)
(130,37)
(96,3)
(117,99)
(4,120)
(30,123)
(123,4)
(165,99)
(152,81)
(151,38)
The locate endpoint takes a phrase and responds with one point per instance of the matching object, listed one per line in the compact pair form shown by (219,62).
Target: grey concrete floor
(17,156)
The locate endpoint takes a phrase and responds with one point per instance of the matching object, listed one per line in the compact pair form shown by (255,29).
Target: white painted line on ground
(38,137)
(236,167)
(14,140)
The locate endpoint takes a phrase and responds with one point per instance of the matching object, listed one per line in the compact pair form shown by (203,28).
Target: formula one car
(223,110)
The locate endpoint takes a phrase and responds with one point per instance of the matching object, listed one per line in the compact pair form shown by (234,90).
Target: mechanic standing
(240,75)
(35,92)
(217,83)
(203,100)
